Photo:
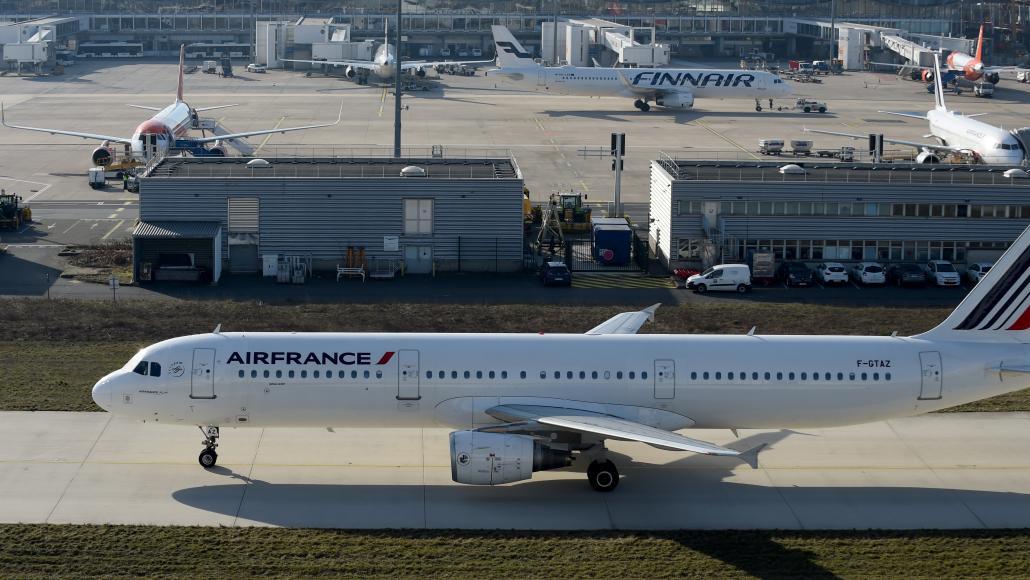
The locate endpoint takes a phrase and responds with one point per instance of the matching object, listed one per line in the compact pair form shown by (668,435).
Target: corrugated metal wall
(683,190)
(322,217)
(866,228)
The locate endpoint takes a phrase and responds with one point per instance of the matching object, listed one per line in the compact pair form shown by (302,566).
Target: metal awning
(176,230)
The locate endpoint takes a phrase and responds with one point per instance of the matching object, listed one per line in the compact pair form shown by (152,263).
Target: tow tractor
(806,106)
(573,215)
(12,213)
(116,170)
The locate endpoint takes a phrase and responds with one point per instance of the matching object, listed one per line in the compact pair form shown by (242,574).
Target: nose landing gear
(758,106)
(208,457)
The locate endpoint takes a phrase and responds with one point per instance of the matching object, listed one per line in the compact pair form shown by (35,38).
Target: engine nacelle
(350,72)
(217,150)
(479,458)
(926,75)
(992,77)
(928,157)
(103,156)
(675,101)
(420,73)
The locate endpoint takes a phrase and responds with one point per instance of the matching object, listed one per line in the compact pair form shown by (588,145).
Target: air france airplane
(522,403)
(669,88)
(168,128)
(956,133)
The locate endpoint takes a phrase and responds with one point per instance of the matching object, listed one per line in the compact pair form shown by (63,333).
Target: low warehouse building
(417,215)
(710,212)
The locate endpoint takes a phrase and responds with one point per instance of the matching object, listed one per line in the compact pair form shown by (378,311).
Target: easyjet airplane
(969,67)
(166,131)
(522,403)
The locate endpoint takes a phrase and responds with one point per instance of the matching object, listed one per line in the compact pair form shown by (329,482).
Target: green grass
(46,551)
(54,351)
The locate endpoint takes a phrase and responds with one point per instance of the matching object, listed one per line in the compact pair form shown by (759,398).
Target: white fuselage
(667,381)
(384,63)
(167,125)
(993,145)
(646,83)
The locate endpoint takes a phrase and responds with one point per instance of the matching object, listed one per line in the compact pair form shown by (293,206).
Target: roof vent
(258,163)
(1016,173)
(792,169)
(413,171)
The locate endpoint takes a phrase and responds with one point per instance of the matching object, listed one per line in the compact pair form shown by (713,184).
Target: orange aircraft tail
(980,45)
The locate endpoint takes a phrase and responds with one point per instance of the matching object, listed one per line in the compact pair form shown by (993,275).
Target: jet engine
(480,458)
(928,157)
(420,73)
(103,155)
(992,77)
(217,150)
(926,75)
(675,100)
(350,72)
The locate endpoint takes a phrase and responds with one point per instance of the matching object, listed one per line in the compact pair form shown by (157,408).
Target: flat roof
(837,172)
(335,168)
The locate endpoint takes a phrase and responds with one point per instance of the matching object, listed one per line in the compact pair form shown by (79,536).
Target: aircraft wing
(202,109)
(145,107)
(92,136)
(231,136)
(410,64)
(917,145)
(920,116)
(626,322)
(361,64)
(535,419)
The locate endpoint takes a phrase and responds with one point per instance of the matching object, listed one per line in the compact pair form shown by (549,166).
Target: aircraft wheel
(208,458)
(603,476)
(639,104)
(758,108)
(645,107)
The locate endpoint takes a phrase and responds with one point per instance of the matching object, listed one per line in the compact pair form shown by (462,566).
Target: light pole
(397,71)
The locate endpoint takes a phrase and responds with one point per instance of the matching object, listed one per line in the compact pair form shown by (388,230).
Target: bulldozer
(12,213)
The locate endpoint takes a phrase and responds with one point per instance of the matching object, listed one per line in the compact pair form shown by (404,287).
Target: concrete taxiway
(937,471)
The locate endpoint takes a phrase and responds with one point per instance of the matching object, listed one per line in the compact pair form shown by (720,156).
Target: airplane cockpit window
(155,369)
(141,368)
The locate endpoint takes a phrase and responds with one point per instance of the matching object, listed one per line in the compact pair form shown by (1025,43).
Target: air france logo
(309,358)
(510,48)
(701,80)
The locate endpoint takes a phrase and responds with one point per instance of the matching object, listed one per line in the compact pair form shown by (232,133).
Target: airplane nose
(102,392)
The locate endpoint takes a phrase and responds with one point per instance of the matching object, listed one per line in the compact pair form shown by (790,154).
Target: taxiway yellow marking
(382,102)
(269,136)
(113,230)
(584,184)
(726,139)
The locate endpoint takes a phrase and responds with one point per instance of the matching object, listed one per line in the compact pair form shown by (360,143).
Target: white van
(730,277)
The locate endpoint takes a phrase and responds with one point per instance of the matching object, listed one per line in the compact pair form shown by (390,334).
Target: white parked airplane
(384,64)
(530,402)
(665,87)
(168,130)
(956,133)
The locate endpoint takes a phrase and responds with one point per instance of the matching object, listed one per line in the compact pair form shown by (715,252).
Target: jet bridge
(607,43)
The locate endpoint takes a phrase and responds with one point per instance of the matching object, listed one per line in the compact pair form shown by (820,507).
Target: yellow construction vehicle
(573,215)
(12,213)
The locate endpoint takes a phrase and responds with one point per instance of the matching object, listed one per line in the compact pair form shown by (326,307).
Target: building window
(418,216)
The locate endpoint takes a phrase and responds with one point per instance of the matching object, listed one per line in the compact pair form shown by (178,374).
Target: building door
(932,383)
(202,381)
(407,375)
(664,379)
(244,224)
(418,259)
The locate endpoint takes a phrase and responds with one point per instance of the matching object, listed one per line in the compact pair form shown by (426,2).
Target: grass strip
(46,551)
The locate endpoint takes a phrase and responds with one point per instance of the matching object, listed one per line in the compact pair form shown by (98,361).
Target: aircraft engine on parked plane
(928,157)
(217,149)
(480,458)
(103,155)
(420,72)
(926,76)
(992,77)
(350,72)
(679,100)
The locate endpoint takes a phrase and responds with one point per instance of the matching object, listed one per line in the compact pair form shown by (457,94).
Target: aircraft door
(931,384)
(664,379)
(541,77)
(407,375)
(202,381)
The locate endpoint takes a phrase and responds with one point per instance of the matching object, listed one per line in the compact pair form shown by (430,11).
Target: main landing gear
(208,457)
(758,106)
(642,105)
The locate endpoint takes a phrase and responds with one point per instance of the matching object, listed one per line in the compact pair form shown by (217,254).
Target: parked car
(867,273)
(831,273)
(942,273)
(256,68)
(727,277)
(975,272)
(795,274)
(906,275)
(555,274)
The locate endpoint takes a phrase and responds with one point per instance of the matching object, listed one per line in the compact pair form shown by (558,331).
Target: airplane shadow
(681,117)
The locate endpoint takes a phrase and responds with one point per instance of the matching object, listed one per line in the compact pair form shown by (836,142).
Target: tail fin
(998,308)
(509,52)
(938,93)
(182,66)
(980,45)
(386,31)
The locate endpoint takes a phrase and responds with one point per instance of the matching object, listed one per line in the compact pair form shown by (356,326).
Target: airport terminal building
(711,212)
(412,215)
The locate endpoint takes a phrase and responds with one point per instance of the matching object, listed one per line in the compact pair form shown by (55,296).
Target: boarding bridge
(577,39)
(913,52)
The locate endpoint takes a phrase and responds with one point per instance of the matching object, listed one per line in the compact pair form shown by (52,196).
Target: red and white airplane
(961,64)
(166,131)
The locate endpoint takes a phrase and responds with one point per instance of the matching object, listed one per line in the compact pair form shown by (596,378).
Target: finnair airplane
(522,403)
(384,63)
(665,87)
(956,133)
(168,130)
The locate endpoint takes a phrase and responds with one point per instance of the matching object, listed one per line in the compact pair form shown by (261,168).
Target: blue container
(611,244)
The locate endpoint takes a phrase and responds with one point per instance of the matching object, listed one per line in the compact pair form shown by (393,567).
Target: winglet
(182,66)
(751,455)
(218,329)
(650,310)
